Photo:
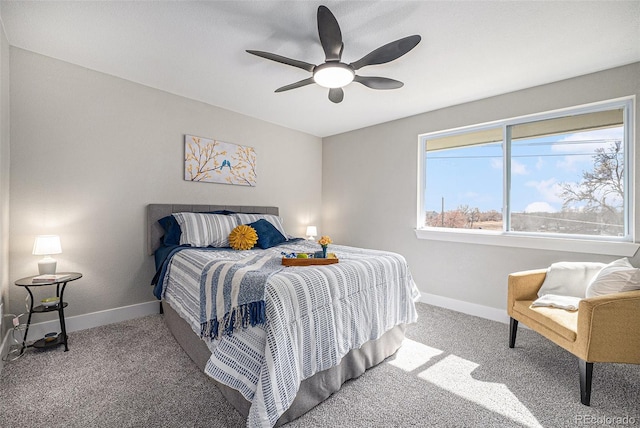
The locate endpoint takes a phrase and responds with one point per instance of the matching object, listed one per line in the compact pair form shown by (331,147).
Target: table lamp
(46,245)
(312,232)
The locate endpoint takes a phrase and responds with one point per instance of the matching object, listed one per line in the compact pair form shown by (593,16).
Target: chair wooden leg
(513,329)
(586,373)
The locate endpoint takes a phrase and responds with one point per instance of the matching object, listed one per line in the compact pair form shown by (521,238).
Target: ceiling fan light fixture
(333,75)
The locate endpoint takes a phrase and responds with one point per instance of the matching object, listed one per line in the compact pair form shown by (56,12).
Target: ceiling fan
(333,73)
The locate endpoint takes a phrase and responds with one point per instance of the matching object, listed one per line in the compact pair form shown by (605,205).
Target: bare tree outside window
(601,189)
(600,194)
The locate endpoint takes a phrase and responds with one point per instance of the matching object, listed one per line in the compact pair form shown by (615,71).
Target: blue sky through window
(473,175)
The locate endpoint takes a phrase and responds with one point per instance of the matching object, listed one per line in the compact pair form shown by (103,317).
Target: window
(556,175)
(464,180)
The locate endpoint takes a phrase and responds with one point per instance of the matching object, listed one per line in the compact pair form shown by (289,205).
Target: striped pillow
(205,230)
(273,219)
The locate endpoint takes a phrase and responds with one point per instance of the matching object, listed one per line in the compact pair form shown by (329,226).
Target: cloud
(518,168)
(571,163)
(580,146)
(588,141)
(539,207)
(549,190)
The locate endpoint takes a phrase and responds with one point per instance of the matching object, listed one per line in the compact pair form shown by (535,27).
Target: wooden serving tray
(307,262)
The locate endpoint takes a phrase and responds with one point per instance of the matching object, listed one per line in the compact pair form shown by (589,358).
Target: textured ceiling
(469,50)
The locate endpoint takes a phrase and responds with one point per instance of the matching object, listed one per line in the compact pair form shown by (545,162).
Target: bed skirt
(313,390)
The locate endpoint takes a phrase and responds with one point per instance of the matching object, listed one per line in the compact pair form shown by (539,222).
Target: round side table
(60,280)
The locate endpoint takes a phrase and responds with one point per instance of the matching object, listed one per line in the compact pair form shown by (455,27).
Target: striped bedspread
(315,316)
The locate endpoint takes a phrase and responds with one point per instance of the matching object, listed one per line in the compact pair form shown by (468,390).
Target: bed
(324,325)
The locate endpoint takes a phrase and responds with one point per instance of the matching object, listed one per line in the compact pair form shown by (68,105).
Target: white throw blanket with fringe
(568,303)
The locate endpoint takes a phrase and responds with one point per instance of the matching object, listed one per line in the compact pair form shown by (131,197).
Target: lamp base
(47,265)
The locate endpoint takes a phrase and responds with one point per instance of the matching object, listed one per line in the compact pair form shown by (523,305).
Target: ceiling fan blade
(330,35)
(336,95)
(388,52)
(378,82)
(299,84)
(284,60)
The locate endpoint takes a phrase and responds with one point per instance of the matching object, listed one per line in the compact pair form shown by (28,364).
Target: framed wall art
(214,161)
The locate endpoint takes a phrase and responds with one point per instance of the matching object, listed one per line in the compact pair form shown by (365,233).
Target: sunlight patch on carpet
(412,355)
(454,374)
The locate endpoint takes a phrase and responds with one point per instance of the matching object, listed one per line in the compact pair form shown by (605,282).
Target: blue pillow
(268,235)
(172,231)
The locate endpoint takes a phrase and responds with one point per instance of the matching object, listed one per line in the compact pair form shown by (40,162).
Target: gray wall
(370,188)
(89,151)
(4,179)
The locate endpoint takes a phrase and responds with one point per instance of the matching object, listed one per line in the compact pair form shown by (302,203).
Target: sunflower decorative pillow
(243,237)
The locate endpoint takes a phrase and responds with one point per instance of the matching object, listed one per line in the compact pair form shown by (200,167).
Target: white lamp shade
(312,231)
(46,245)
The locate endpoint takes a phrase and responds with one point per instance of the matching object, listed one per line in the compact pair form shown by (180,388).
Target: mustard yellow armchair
(604,329)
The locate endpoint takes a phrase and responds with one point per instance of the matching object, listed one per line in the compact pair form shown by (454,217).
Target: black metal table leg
(61,316)
(26,330)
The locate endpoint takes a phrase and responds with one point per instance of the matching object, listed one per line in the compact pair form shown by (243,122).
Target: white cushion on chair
(616,277)
(569,278)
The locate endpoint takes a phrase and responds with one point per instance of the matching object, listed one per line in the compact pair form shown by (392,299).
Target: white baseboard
(94,319)
(469,308)
(84,321)
(109,316)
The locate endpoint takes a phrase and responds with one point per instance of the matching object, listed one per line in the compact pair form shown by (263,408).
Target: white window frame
(618,246)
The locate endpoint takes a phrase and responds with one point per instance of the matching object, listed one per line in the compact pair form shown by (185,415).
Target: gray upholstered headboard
(156,211)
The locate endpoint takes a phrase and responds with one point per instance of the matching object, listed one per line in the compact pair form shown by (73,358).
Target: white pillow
(569,278)
(205,230)
(273,219)
(615,277)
